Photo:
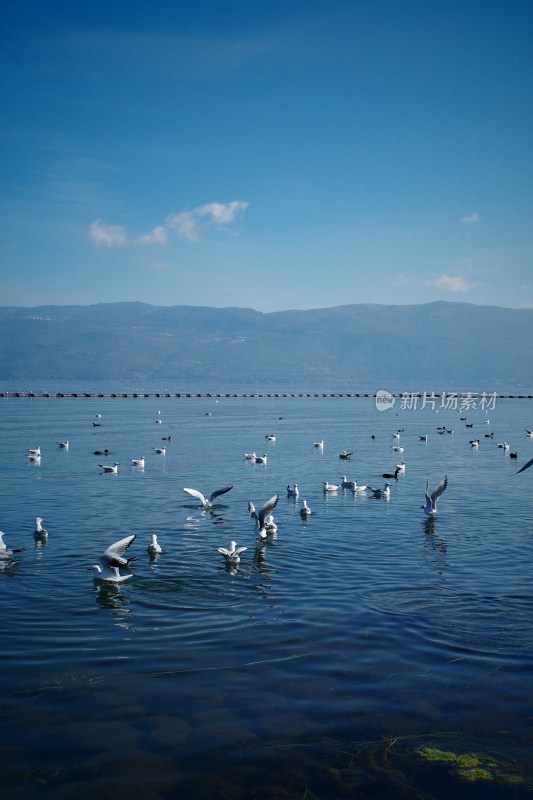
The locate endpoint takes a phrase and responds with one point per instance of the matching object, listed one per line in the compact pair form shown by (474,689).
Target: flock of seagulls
(114,558)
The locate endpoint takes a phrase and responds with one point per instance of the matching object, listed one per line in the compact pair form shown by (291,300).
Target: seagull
(330,487)
(41,535)
(396,435)
(112,559)
(385,492)
(261,516)
(154,548)
(529,433)
(6,552)
(34,451)
(261,459)
(105,452)
(233,555)
(160,450)
(400,468)
(345,483)
(423,438)
(270,525)
(207,502)
(474,443)
(356,489)
(398,449)
(270,437)
(138,462)
(305,511)
(250,456)
(503,445)
(431,499)
(108,468)
(320,445)
(157,421)
(294,492)
(346,456)
(526,466)
(34,459)
(63,445)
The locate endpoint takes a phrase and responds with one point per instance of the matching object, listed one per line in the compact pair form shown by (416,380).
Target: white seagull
(207,502)
(5,551)
(357,489)
(138,462)
(398,449)
(346,484)
(330,487)
(261,516)
(154,548)
(294,492)
(431,499)
(261,459)
(113,469)
(320,445)
(385,492)
(160,450)
(34,451)
(305,511)
(250,456)
(112,559)
(41,535)
(270,437)
(63,445)
(233,554)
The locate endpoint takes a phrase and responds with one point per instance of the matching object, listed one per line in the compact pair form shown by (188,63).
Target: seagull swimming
(138,462)
(154,548)
(398,449)
(320,445)
(357,489)
(346,484)
(34,451)
(261,516)
(261,459)
(431,499)
(113,469)
(305,511)
(250,456)
(400,468)
(330,487)
(160,450)
(294,492)
(112,559)
(385,492)
(5,551)
(40,533)
(207,502)
(270,437)
(233,555)
(63,445)
(270,525)
(345,455)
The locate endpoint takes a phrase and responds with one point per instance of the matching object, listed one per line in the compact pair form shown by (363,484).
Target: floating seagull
(396,435)
(250,456)
(305,511)
(41,535)
(34,451)
(320,445)
(529,433)
(294,492)
(345,483)
(63,445)
(98,416)
(154,548)
(526,466)
(503,445)
(345,455)
(105,452)
(6,552)
(330,487)
(385,492)
(112,559)
(392,475)
(474,443)
(270,525)
(138,462)
(431,499)
(401,467)
(398,449)
(357,489)
(160,450)
(113,469)
(261,516)
(423,438)
(270,437)
(261,459)
(34,459)
(157,421)
(207,502)
(233,555)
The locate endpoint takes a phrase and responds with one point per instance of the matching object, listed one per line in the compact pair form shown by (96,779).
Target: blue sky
(274,155)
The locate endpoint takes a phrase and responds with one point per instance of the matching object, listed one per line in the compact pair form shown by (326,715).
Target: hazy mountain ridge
(342,348)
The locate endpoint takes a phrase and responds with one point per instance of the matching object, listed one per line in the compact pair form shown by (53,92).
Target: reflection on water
(319,666)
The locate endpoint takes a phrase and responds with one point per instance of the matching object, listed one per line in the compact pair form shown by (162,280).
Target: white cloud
(158,235)
(222,213)
(188,224)
(185,225)
(470,220)
(451,283)
(107,235)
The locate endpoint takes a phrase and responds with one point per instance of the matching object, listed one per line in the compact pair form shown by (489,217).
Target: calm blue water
(324,662)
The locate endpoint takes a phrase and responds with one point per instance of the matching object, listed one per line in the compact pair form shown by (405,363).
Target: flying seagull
(431,499)
(260,517)
(207,502)
(112,559)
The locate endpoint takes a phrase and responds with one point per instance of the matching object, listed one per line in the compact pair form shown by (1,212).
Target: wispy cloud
(471,219)
(187,225)
(158,235)
(451,283)
(107,235)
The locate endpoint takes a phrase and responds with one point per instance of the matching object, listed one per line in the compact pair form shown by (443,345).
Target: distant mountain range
(362,347)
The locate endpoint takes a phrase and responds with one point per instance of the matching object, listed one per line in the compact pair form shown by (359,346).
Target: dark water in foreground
(321,666)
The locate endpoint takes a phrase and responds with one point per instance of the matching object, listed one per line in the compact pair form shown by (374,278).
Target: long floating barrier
(208,395)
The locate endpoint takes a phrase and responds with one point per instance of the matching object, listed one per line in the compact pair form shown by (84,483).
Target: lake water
(334,662)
